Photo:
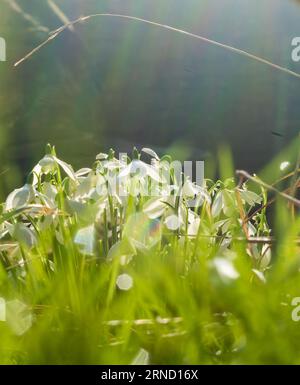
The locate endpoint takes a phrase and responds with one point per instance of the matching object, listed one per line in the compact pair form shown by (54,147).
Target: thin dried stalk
(164,26)
(271,201)
(250,240)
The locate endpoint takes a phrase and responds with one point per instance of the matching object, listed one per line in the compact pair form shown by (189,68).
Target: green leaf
(229,203)
(250,197)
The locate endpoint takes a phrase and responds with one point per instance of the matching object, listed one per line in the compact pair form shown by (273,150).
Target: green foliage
(92,274)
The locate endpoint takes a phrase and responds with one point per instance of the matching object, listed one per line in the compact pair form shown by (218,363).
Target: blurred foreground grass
(90,275)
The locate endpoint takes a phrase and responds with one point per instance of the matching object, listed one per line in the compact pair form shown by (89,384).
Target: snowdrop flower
(20,197)
(48,164)
(193,226)
(150,152)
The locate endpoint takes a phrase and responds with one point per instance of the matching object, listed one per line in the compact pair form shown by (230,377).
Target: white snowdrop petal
(172,222)
(24,235)
(154,208)
(150,152)
(19,197)
(194,227)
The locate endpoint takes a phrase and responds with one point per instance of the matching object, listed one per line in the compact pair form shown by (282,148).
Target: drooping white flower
(150,152)
(82,172)
(23,234)
(193,227)
(49,162)
(20,197)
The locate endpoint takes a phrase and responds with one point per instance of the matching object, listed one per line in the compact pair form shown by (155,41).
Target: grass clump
(95,270)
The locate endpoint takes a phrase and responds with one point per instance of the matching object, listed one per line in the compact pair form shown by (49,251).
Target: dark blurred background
(116,83)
